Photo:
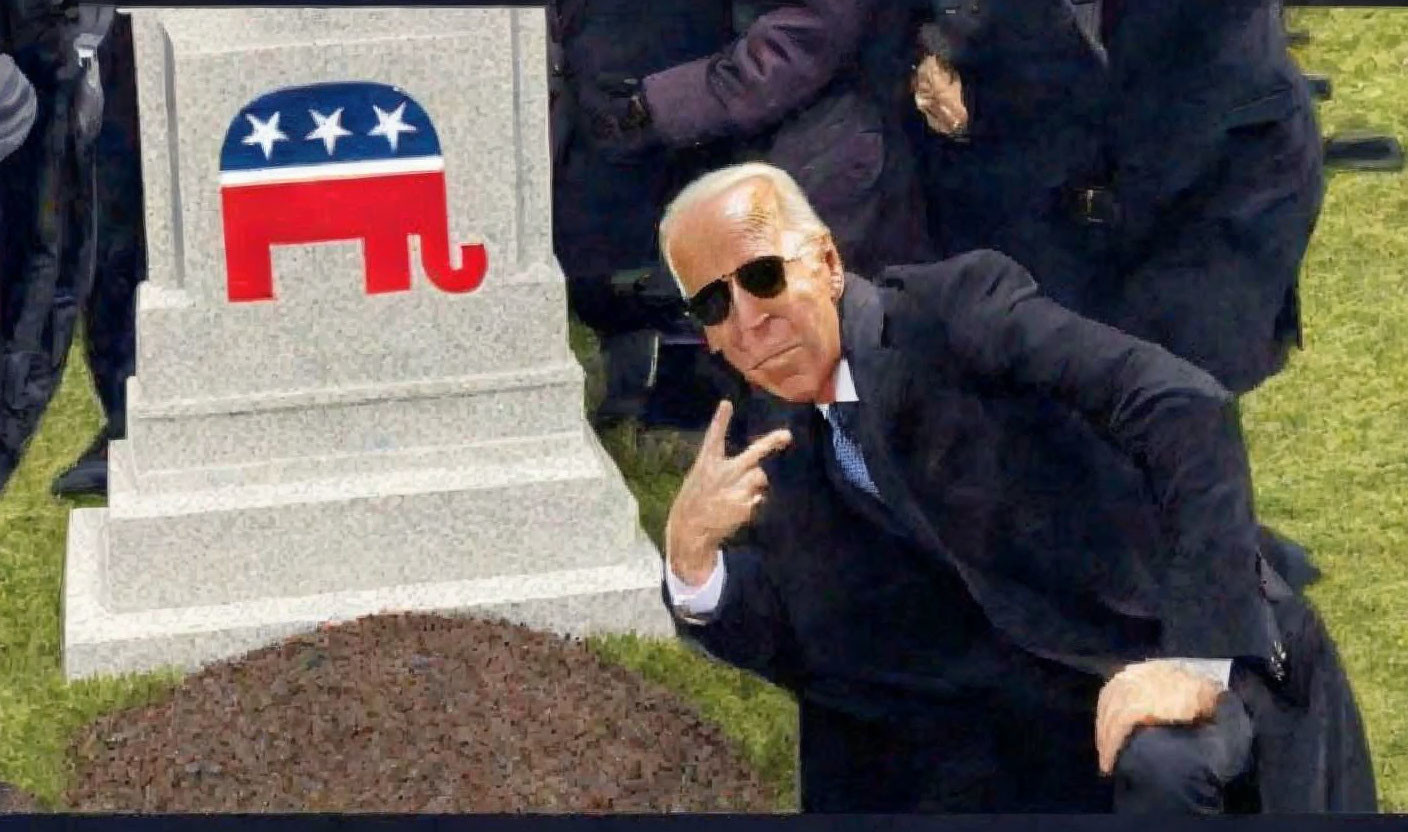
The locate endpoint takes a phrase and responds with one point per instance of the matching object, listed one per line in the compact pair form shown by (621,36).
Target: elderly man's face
(790,344)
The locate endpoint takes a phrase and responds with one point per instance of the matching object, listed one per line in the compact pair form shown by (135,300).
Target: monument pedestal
(353,391)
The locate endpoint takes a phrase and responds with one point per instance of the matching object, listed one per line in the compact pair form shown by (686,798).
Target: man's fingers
(1115,715)
(771,443)
(713,441)
(747,490)
(1121,728)
(1111,738)
(1111,699)
(1109,748)
(755,480)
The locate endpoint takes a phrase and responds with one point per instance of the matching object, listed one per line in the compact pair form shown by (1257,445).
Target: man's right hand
(719,495)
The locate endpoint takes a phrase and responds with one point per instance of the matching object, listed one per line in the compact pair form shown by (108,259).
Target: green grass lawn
(1329,443)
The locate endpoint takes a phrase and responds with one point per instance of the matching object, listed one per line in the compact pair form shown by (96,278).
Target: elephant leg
(388,262)
(250,270)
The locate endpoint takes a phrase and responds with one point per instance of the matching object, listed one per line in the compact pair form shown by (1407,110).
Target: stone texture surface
(385,418)
(573,602)
(188,352)
(330,453)
(417,528)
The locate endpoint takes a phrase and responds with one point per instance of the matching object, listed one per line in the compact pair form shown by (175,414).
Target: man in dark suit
(995,549)
(1155,166)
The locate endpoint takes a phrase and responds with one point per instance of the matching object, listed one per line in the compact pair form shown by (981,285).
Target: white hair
(796,212)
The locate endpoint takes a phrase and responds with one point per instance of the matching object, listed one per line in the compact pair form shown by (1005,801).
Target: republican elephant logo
(339,161)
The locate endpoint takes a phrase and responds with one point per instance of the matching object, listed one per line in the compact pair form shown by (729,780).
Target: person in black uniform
(46,197)
(110,314)
(816,87)
(604,204)
(1155,166)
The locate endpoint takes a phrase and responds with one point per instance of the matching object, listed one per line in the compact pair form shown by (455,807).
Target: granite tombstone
(354,391)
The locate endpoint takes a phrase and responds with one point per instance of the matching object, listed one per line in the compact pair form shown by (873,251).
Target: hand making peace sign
(719,495)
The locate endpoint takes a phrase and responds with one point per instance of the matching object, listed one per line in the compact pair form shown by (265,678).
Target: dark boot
(629,361)
(685,395)
(89,475)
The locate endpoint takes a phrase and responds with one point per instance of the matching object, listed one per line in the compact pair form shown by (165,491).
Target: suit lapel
(881,382)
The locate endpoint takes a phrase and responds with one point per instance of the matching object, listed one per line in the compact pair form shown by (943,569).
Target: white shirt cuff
(700,600)
(1218,670)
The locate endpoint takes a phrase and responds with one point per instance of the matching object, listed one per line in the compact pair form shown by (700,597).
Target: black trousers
(1031,753)
(47,248)
(110,315)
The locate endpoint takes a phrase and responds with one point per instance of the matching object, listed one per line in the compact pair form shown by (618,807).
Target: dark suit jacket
(1198,124)
(1088,489)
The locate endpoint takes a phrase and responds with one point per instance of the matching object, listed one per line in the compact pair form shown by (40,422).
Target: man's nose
(749,310)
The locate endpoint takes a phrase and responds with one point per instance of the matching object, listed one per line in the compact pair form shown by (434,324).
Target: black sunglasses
(763,278)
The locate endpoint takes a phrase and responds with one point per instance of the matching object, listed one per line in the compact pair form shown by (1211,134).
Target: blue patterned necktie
(842,417)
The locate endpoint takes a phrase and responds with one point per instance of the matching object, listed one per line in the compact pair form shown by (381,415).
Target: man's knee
(1184,769)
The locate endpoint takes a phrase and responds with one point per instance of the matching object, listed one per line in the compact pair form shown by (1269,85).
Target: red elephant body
(382,211)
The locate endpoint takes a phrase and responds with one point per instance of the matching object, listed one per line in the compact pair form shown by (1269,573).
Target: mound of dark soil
(414,713)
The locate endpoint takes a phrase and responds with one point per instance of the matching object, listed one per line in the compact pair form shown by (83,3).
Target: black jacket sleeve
(784,59)
(749,628)
(985,313)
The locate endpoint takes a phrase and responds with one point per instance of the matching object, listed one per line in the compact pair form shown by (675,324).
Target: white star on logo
(390,124)
(329,129)
(265,133)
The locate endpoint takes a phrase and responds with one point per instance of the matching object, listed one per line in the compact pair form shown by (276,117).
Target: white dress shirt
(704,599)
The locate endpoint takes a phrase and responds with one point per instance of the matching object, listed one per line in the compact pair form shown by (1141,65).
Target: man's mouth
(776,355)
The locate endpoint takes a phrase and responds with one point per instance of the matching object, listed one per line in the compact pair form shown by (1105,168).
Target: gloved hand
(618,117)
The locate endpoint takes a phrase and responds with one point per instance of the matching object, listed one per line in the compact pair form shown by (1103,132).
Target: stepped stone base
(98,641)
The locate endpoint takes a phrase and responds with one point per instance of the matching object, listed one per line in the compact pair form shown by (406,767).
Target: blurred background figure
(47,200)
(605,205)
(817,88)
(1156,166)
(110,314)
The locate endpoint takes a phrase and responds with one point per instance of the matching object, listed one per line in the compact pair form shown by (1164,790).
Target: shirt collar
(845,386)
